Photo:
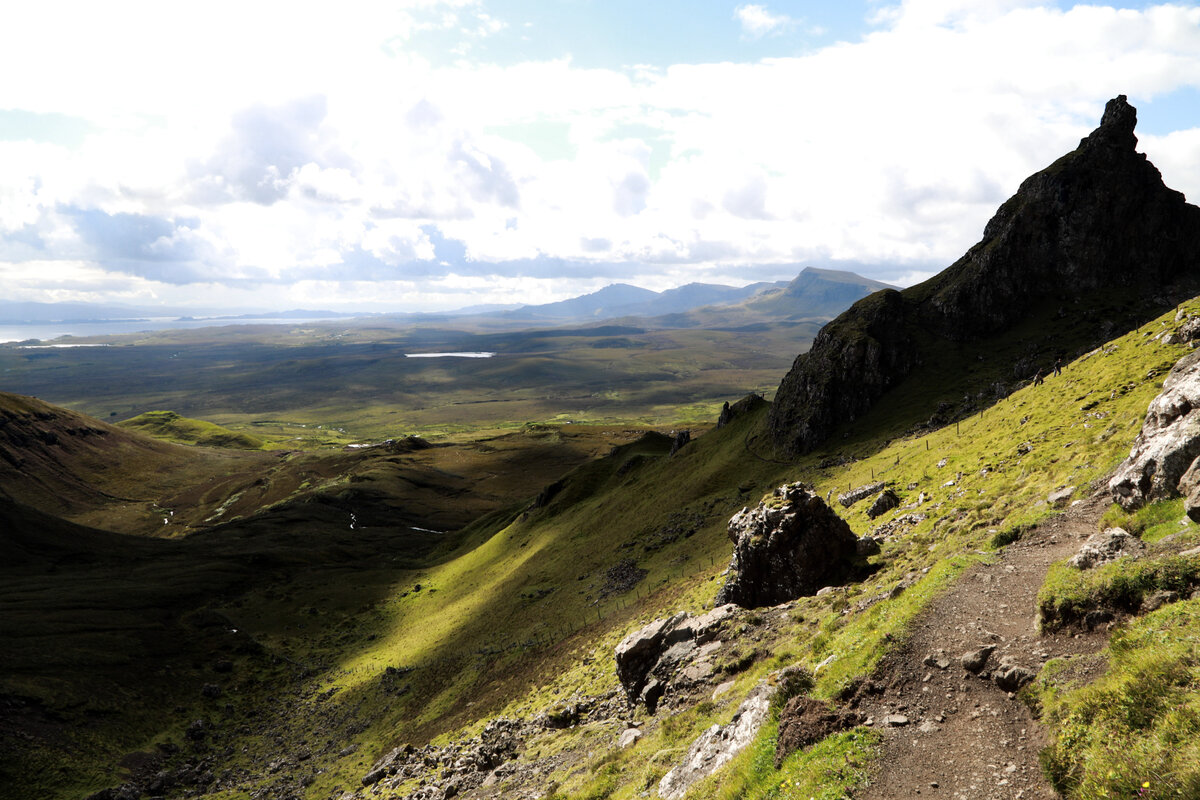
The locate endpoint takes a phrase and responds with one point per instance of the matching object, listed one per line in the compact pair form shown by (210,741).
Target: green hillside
(170,426)
(349,643)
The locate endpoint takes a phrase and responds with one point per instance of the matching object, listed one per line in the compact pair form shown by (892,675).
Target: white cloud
(758,21)
(316,155)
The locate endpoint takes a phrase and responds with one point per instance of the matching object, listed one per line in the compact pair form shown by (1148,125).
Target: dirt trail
(961,735)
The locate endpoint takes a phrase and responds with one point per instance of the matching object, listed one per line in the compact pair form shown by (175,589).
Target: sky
(434,154)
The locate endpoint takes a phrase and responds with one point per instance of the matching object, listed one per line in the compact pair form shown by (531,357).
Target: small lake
(449,355)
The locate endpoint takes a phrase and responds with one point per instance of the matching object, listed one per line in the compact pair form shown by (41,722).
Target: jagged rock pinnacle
(1097,221)
(1116,126)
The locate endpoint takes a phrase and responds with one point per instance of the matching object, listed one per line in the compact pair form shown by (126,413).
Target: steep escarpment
(1097,220)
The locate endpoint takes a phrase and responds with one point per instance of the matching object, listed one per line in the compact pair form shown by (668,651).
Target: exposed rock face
(1162,462)
(1098,218)
(719,744)
(785,549)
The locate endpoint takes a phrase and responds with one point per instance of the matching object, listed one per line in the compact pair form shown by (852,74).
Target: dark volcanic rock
(1098,219)
(649,657)
(787,547)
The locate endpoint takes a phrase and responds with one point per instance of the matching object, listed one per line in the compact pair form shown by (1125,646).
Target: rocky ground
(955,727)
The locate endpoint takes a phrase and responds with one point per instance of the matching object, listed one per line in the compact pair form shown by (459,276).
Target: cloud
(265,147)
(757,21)
(332,157)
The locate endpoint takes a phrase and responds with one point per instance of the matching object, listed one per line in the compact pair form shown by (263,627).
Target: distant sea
(45,331)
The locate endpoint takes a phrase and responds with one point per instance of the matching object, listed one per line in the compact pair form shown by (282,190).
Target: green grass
(1150,523)
(173,428)
(829,770)
(1068,594)
(613,508)
(483,637)
(1135,732)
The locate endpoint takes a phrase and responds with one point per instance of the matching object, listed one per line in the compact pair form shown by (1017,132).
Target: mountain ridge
(1098,219)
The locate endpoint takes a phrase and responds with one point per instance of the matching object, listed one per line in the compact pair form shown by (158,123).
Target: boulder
(649,657)
(628,738)
(1060,497)
(639,652)
(1107,545)
(1163,460)
(867,546)
(976,660)
(861,493)
(787,547)
(719,744)
(1011,677)
(885,502)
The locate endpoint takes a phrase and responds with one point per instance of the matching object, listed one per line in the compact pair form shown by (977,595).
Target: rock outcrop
(1099,218)
(648,658)
(851,497)
(719,744)
(1104,546)
(1163,460)
(885,502)
(787,547)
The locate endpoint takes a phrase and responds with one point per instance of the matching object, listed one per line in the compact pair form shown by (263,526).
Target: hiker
(1037,378)
(1057,367)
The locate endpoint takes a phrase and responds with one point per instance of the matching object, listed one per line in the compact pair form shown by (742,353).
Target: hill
(170,426)
(1092,245)
(815,293)
(382,637)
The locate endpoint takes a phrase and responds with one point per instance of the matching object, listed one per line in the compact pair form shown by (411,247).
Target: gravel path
(951,733)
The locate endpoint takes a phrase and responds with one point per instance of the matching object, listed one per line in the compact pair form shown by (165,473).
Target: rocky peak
(1116,126)
(1097,219)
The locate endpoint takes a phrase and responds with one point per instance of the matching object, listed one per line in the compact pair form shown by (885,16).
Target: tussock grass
(1135,732)
(1068,594)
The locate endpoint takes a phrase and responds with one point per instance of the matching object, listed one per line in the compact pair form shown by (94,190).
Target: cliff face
(1100,217)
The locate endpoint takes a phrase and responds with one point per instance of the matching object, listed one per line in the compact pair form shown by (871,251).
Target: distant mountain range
(814,293)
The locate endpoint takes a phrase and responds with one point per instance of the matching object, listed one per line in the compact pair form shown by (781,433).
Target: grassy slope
(1003,464)
(515,613)
(170,426)
(1134,732)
